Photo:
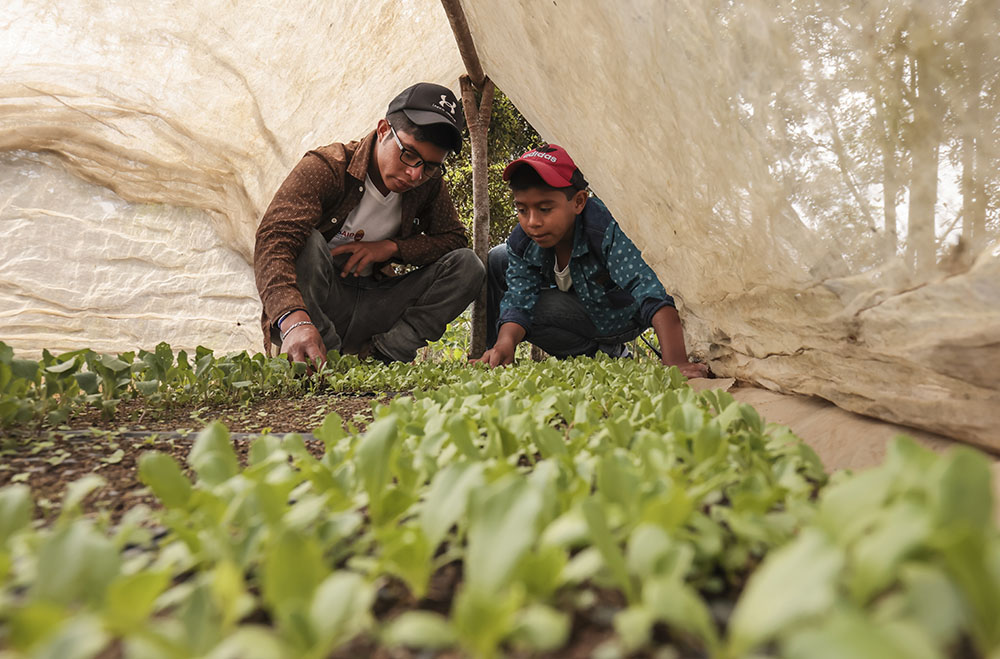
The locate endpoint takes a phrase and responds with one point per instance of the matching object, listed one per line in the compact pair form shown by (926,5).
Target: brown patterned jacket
(326,185)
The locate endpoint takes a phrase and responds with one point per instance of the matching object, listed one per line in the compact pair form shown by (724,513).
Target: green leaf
(962,481)
(420,629)
(88,382)
(373,460)
(340,609)
(148,387)
(683,609)
(540,628)
(66,367)
(902,529)
(113,364)
(406,553)
(848,634)
(794,583)
(447,498)
(24,369)
(75,564)
(77,491)
(502,521)
(602,538)
(461,434)
(164,477)
(32,623)
(212,455)
(16,509)
(130,599)
(292,569)
(81,637)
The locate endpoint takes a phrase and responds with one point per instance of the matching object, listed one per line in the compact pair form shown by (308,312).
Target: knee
(497,262)
(465,262)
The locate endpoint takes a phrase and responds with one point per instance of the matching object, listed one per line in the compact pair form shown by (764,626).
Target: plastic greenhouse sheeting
(141,142)
(816,183)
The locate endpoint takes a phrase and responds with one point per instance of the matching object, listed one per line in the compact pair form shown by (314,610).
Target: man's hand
(303,344)
(691,369)
(364,254)
(498,355)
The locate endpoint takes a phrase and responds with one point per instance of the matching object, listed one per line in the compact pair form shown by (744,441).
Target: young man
(568,279)
(345,213)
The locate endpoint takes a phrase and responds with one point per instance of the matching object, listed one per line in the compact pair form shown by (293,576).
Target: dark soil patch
(49,459)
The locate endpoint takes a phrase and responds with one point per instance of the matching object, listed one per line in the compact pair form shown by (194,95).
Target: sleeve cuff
(650,306)
(515,316)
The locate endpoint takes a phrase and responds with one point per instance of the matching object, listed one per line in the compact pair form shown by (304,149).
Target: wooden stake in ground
(477,116)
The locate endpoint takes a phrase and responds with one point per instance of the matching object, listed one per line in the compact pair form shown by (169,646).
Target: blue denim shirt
(615,286)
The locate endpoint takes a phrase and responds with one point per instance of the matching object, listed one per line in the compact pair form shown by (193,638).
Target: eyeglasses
(411,158)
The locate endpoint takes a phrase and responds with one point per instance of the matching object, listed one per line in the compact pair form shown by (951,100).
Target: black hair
(526,178)
(440,135)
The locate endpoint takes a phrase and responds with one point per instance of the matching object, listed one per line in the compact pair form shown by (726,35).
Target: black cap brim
(427,118)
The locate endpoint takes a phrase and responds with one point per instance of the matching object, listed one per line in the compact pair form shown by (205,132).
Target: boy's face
(547,216)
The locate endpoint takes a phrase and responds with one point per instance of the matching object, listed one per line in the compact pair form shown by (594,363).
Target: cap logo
(539,154)
(446,105)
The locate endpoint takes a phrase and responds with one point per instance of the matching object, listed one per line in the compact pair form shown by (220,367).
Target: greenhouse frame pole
(477,117)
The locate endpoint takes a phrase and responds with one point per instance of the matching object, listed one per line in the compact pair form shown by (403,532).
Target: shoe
(615,350)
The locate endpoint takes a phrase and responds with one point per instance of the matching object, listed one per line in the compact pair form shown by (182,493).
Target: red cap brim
(544,169)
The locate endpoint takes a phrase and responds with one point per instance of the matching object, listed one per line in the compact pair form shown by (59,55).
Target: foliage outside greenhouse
(501,513)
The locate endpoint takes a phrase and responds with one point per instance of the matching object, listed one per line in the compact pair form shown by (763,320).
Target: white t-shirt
(374,218)
(563,279)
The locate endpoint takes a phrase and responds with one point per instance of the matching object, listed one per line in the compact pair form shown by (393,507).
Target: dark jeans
(559,325)
(398,315)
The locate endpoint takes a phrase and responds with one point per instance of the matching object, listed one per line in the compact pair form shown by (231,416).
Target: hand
(303,344)
(364,254)
(499,355)
(691,369)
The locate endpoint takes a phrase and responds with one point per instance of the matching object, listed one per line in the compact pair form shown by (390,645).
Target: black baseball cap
(426,103)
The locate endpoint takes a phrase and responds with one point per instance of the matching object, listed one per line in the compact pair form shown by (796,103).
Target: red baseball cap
(553,164)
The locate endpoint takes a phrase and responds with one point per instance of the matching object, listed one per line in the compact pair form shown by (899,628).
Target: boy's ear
(579,201)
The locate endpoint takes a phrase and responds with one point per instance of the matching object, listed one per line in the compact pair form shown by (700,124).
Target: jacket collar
(358,166)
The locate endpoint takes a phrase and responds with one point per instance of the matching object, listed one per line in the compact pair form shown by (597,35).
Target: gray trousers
(398,315)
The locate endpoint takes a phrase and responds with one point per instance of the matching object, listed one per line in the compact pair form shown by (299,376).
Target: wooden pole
(477,116)
(463,37)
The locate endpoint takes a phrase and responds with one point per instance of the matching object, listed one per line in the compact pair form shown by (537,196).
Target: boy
(344,213)
(570,280)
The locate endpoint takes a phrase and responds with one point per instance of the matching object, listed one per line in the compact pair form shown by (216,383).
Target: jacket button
(361,189)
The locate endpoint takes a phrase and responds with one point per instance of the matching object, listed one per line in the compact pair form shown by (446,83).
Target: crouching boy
(568,279)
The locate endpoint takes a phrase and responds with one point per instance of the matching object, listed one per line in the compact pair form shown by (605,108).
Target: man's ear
(382,129)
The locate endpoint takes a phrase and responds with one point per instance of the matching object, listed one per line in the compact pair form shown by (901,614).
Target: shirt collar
(580,246)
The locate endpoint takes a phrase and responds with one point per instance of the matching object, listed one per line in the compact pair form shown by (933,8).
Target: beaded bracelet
(294,325)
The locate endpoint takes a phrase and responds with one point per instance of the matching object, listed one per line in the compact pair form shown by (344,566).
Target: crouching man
(568,279)
(347,212)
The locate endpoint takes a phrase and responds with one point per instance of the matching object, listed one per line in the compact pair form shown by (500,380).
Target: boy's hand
(498,355)
(502,352)
(691,369)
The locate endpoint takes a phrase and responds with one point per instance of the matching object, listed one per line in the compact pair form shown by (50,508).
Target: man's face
(547,216)
(397,175)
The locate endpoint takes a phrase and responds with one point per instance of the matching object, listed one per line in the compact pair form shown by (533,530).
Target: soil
(47,459)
